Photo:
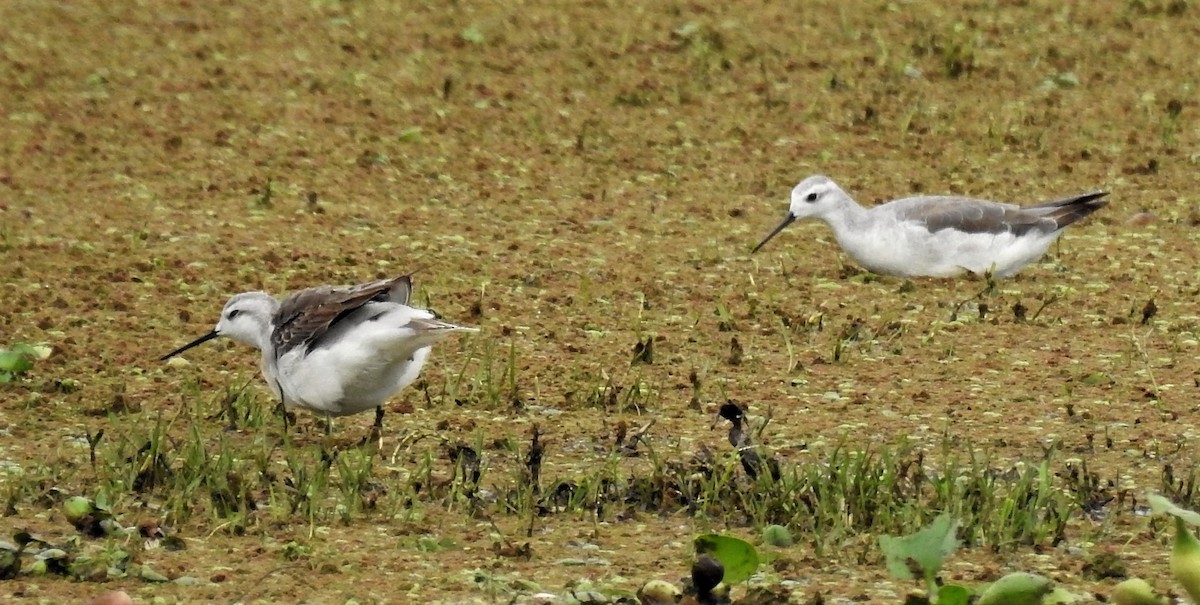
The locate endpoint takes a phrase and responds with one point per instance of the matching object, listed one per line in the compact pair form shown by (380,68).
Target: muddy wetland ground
(584,181)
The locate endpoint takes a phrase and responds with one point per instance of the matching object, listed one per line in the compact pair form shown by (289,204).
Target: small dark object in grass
(707,572)
(731,412)
(533,462)
(1148,311)
(466,461)
(90,526)
(753,463)
(735,352)
(1019,311)
(643,351)
(150,529)
(1105,565)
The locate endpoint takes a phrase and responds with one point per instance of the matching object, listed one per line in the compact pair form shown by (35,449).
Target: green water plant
(920,555)
(18,359)
(1185,552)
(1135,591)
(1018,588)
(738,557)
(777,535)
(1185,559)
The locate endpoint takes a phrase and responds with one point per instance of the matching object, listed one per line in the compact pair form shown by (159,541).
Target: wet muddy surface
(584,183)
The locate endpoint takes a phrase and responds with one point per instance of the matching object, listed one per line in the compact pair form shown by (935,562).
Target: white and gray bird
(936,235)
(334,350)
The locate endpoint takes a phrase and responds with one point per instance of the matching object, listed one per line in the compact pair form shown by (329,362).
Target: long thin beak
(787,220)
(198,341)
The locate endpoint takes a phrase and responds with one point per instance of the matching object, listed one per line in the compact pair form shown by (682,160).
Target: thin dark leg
(286,415)
(376,433)
(283,413)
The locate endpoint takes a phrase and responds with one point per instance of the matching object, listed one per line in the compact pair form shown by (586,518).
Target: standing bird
(335,351)
(936,235)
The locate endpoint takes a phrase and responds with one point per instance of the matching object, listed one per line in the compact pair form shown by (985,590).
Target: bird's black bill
(787,220)
(198,341)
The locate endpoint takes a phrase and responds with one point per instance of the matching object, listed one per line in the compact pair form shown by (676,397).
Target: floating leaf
(88,569)
(51,560)
(472,34)
(1018,588)
(920,555)
(777,535)
(1185,559)
(737,556)
(14,362)
(1162,506)
(33,352)
(953,594)
(76,507)
(10,563)
(1135,591)
(658,592)
(1185,554)
(150,575)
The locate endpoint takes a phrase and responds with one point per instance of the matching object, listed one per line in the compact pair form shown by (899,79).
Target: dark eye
(233,313)
(812,197)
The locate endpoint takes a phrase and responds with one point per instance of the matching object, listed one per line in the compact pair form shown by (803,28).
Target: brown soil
(574,178)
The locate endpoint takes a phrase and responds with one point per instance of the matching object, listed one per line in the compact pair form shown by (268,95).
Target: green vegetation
(738,558)
(584,182)
(19,358)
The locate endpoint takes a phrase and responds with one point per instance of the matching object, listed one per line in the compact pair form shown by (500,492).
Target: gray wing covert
(974,216)
(306,316)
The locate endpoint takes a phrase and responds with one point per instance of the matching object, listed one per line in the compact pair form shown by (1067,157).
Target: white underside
(361,367)
(908,249)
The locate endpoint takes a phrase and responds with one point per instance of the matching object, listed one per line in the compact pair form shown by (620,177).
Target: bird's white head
(246,318)
(813,197)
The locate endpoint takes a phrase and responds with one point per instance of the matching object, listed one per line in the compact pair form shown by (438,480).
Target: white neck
(847,219)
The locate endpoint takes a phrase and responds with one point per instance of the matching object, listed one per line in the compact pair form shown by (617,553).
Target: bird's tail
(1071,209)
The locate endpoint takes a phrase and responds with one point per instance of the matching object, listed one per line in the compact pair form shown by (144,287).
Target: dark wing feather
(973,216)
(978,216)
(1071,209)
(306,316)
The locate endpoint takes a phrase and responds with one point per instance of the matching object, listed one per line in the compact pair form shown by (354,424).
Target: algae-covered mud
(584,181)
